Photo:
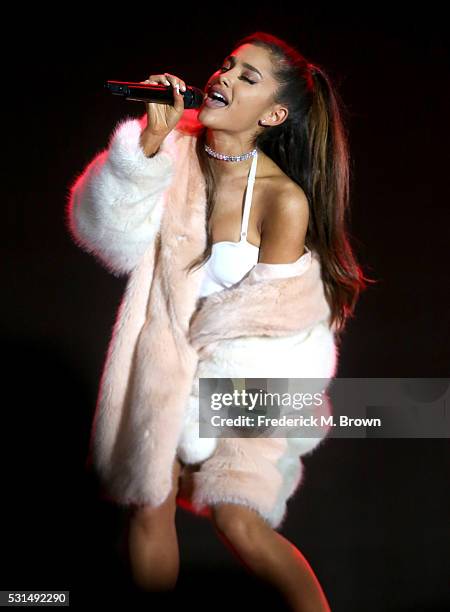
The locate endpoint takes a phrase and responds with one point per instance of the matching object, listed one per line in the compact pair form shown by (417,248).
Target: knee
(240,525)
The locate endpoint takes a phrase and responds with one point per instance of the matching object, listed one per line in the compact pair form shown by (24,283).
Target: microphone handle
(161,94)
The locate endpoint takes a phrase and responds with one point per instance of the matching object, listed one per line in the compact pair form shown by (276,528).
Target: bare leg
(154,558)
(270,556)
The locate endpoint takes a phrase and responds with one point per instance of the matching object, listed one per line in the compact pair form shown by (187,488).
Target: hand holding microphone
(162,118)
(165,97)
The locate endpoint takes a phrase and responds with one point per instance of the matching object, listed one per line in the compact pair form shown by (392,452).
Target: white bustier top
(231,261)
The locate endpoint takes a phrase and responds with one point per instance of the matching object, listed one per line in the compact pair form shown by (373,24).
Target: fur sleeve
(115,205)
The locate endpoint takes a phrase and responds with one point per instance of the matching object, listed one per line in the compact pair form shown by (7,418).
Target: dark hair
(311,147)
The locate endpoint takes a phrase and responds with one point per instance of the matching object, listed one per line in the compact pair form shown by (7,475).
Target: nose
(224,81)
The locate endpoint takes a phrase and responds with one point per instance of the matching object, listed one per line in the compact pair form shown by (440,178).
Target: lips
(220,91)
(212,103)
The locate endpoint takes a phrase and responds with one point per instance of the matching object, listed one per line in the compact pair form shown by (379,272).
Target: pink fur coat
(145,218)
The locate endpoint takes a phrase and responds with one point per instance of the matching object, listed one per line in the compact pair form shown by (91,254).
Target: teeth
(218,95)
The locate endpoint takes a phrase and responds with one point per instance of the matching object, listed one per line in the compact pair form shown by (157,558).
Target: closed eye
(244,78)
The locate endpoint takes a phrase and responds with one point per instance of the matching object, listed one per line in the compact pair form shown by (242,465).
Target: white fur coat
(145,218)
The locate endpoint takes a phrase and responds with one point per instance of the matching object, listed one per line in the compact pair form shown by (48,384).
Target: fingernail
(177,87)
(183,88)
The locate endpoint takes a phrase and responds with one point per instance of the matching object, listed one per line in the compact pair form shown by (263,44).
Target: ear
(275,117)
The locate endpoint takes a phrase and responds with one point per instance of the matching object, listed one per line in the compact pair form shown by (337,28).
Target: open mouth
(215,100)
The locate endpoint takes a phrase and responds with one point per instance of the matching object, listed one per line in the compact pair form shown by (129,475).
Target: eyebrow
(232,59)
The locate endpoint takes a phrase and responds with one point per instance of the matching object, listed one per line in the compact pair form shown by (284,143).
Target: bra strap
(248,196)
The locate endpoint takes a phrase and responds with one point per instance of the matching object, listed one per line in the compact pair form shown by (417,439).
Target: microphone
(161,94)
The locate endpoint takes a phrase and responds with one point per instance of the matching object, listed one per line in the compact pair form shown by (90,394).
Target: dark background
(372,515)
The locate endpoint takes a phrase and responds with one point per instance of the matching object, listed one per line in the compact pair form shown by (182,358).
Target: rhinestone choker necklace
(233,158)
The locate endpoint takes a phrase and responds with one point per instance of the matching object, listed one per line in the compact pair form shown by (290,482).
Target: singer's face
(245,78)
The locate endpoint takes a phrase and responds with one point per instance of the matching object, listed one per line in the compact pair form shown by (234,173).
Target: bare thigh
(149,518)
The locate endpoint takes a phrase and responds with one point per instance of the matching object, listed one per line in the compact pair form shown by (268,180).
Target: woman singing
(230,223)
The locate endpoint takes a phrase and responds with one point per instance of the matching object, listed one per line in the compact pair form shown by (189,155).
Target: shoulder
(285,222)
(282,194)
(286,203)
